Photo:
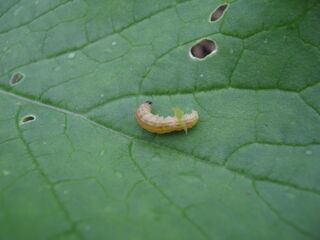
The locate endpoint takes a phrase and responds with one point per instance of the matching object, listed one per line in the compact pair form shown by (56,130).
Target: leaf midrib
(167,148)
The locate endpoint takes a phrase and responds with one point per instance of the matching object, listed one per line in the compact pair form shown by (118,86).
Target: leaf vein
(165,196)
(45,178)
(169,148)
(277,213)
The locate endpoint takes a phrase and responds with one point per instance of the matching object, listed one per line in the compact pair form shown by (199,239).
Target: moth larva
(158,124)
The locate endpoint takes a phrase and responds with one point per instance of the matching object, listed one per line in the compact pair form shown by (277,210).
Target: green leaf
(74,164)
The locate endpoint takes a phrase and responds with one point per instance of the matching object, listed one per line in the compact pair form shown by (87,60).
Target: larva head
(149,102)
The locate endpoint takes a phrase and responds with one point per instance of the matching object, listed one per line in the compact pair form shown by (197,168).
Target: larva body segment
(158,124)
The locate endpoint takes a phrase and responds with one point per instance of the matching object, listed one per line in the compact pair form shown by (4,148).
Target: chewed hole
(218,13)
(27,119)
(203,49)
(16,78)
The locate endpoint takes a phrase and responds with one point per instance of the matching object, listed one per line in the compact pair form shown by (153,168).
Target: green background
(84,169)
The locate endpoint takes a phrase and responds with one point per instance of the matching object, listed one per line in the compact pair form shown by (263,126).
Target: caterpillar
(158,124)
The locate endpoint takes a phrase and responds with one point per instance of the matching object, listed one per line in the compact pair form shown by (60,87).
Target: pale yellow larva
(158,124)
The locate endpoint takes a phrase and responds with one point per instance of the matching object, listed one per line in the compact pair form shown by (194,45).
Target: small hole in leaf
(203,49)
(27,119)
(218,13)
(16,78)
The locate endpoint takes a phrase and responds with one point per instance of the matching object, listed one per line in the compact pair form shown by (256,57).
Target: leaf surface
(74,164)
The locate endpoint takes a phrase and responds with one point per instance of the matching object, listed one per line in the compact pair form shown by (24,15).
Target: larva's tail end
(149,102)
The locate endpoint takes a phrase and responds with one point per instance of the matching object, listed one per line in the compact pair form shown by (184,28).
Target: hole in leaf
(203,49)
(16,78)
(27,119)
(218,13)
